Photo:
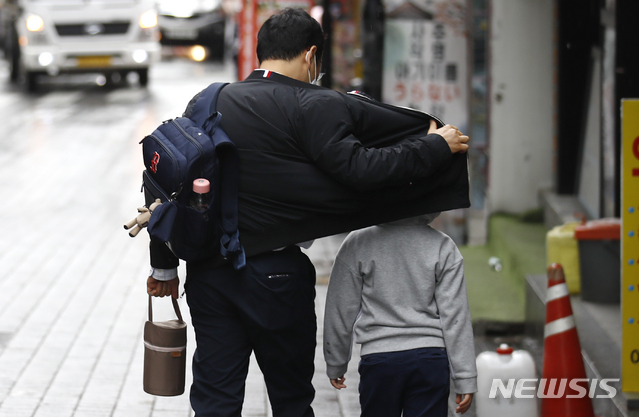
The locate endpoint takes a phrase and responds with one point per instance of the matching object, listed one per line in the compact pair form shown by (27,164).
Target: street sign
(425,59)
(630,245)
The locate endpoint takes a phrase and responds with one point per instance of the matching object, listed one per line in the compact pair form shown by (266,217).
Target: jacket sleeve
(454,313)
(343,303)
(342,143)
(161,256)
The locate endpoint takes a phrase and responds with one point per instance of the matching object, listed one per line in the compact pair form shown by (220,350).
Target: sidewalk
(71,341)
(71,344)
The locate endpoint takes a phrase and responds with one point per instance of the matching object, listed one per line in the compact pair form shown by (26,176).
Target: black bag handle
(176,308)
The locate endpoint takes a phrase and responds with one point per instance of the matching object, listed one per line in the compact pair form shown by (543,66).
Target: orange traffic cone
(563,388)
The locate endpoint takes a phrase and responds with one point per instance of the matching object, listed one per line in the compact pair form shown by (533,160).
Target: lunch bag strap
(176,308)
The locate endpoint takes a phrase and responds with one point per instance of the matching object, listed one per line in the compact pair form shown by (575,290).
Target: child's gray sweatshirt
(400,286)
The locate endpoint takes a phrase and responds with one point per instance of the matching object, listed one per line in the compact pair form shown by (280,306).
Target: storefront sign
(425,55)
(630,245)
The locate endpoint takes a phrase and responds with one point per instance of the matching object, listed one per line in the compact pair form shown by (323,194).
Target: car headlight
(35,23)
(140,56)
(149,19)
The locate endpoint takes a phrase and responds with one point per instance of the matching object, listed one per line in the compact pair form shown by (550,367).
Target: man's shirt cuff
(164,274)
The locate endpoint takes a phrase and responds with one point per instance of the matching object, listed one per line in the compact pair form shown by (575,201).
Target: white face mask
(316,79)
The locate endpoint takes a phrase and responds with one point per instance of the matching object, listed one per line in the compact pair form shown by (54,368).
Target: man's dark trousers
(415,382)
(268,308)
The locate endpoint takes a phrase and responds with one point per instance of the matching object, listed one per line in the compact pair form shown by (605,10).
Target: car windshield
(186,8)
(77,2)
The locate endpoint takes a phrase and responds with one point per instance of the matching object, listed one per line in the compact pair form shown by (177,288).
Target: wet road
(72,283)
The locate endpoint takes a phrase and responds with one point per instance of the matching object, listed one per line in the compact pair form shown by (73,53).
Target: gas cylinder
(506,383)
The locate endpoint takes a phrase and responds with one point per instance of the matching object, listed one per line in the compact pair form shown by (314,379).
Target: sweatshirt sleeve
(452,303)
(343,303)
(332,137)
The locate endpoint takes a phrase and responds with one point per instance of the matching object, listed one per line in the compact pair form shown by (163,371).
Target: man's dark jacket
(315,162)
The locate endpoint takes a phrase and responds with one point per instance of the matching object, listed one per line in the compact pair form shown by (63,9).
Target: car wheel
(113,79)
(13,56)
(31,81)
(143,76)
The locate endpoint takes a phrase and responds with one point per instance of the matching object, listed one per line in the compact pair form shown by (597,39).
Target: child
(399,288)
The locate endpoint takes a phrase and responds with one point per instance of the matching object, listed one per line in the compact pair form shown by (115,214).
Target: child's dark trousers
(415,381)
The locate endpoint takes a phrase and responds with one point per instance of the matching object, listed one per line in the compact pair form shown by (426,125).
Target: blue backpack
(179,151)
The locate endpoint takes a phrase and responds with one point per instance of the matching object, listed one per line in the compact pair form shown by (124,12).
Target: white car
(194,22)
(98,36)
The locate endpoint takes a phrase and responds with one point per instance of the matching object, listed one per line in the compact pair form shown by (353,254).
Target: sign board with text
(630,245)
(425,60)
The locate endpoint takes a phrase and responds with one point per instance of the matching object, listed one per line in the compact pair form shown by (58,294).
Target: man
(299,154)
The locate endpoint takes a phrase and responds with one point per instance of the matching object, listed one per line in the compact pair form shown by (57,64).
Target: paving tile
(18,405)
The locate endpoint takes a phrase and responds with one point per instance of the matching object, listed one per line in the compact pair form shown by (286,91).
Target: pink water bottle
(200,199)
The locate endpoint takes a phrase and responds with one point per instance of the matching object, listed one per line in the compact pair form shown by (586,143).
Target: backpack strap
(230,245)
(205,114)
(205,105)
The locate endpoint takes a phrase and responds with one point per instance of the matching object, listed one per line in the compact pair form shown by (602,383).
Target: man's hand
(162,288)
(455,139)
(463,406)
(338,382)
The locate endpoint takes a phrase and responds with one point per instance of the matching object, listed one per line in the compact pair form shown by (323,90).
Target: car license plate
(181,33)
(94,61)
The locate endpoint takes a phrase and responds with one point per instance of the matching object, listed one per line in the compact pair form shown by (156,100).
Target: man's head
(289,35)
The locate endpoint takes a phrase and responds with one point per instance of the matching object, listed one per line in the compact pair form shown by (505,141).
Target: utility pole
(373,46)
(327,58)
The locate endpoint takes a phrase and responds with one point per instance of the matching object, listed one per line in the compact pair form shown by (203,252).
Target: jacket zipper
(278,276)
(393,106)
(189,137)
(156,187)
